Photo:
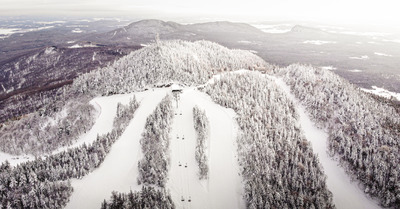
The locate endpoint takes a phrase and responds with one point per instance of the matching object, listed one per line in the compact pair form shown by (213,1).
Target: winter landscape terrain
(105,113)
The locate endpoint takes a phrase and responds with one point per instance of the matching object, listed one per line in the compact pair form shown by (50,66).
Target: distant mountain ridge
(145,30)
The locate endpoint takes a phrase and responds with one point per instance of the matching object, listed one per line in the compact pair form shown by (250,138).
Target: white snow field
(119,170)
(223,188)
(346,193)
(382,92)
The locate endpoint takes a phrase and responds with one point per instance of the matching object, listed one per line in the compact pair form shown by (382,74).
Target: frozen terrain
(119,170)
(346,193)
(223,188)
(318,42)
(106,111)
(383,92)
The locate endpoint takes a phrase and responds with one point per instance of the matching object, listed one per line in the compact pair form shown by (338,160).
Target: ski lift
(182,199)
(186,165)
(190,199)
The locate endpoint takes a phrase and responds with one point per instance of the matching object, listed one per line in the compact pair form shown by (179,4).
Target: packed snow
(223,188)
(382,92)
(119,170)
(355,71)
(346,193)
(318,42)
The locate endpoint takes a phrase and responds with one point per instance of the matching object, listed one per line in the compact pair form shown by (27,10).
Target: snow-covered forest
(278,164)
(47,129)
(202,127)
(153,168)
(191,63)
(44,182)
(363,131)
(148,197)
(159,63)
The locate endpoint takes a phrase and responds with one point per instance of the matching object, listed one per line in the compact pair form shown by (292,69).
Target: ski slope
(346,193)
(119,170)
(223,188)
(103,124)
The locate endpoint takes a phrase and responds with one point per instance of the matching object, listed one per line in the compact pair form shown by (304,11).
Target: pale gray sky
(354,11)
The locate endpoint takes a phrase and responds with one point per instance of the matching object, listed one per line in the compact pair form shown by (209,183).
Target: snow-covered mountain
(181,124)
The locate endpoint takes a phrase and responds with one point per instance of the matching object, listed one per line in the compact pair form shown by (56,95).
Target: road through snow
(346,193)
(223,189)
(119,170)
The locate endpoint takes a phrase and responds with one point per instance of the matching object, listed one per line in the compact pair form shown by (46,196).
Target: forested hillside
(44,182)
(278,164)
(190,63)
(363,131)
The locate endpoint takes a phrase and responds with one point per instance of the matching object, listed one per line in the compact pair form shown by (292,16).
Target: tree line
(153,168)
(202,128)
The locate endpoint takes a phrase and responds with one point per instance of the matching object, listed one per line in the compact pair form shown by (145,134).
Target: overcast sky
(353,11)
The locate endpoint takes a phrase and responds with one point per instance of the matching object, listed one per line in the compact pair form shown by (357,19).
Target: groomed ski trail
(224,187)
(119,170)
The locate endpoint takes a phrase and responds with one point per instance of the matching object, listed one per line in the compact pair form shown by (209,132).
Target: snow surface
(119,170)
(382,92)
(364,57)
(77,30)
(355,71)
(82,46)
(318,42)
(383,54)
(244,42)
(105,107)
(278,28)
(394,41)
(328,67)
(223,188)
(346,193)
(6,32)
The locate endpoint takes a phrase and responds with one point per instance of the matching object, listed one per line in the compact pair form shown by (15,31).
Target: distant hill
(144,31)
